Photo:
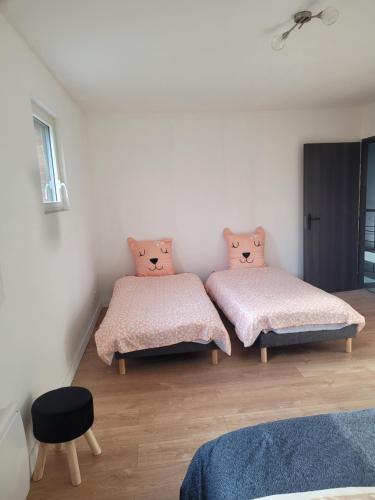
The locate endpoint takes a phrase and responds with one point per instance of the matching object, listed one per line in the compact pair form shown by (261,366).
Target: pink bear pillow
(245,250)
(152,258)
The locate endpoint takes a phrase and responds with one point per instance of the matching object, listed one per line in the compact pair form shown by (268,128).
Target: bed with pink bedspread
(266,300)
(154,312)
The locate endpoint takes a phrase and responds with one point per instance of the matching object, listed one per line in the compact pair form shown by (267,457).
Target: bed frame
(272,339)
(181,347)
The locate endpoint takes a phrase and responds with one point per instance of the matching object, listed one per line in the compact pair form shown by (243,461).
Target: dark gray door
(331,206)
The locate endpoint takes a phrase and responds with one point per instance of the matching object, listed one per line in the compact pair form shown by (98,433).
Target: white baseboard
(71,373)
(68,379)
(33,454)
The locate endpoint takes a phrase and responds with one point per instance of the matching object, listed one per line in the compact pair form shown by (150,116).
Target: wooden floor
(150,422)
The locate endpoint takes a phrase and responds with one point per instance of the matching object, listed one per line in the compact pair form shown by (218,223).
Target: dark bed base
(272,339)
(181,347)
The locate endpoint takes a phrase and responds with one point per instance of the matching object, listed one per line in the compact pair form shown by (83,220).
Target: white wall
(368,120)
(47,266)
(189,175)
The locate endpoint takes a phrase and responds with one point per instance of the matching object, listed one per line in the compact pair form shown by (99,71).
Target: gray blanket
(286,456)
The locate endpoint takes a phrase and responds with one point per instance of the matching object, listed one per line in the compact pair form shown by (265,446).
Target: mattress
(269,299)
(307,328)
(152,312)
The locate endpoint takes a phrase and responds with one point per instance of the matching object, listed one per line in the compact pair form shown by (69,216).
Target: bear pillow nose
(246,254)
(154,261)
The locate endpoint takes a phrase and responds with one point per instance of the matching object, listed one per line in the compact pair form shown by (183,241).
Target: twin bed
(168,314)
(160,315)
(268,305)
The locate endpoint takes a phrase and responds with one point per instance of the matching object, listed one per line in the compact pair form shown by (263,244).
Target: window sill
(50,208)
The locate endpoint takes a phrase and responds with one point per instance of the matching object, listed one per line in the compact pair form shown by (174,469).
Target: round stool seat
(62,415)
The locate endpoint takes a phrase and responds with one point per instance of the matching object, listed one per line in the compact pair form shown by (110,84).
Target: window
(54,191)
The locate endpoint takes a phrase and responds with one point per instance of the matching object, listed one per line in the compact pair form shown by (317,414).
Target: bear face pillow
(245,250)
(152,257)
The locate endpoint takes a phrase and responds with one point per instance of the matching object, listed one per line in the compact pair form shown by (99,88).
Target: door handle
(308,220)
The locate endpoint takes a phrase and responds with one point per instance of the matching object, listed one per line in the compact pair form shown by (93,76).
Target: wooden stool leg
(92,442)
(263,354)
(215,356)
(75,474)
(40,462)
(121,366)
(349,345)
(59,447)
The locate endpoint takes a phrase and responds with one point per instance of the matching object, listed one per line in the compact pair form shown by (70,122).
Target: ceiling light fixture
(327,16)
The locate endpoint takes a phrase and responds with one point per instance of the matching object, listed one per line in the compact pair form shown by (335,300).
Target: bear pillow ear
(132,243)
(227,232)
(260,232)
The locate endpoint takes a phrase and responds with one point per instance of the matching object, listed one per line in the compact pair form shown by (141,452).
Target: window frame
(62,199)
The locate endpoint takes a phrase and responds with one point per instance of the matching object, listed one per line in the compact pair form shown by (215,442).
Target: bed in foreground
(281,309)
(287,456)
(160,315)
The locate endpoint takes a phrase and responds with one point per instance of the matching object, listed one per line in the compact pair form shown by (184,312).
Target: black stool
(59,417)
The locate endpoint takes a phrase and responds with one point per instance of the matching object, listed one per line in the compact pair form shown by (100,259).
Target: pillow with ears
(152,257)
(245,250)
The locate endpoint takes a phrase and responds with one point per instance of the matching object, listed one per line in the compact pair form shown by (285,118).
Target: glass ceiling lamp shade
(329,16)
(278,41)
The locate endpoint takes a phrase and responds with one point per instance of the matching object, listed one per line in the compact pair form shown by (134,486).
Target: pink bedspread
(268,298)
(156,312)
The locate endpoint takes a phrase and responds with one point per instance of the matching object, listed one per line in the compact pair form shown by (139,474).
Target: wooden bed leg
(263,354)
(215,356)
(349,344)
(121,366)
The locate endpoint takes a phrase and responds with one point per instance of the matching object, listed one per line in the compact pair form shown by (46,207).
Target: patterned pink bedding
(159,311)
(268,298)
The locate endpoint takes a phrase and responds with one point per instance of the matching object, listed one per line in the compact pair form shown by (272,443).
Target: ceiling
(200,55)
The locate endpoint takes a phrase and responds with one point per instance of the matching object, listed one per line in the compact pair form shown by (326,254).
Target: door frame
(362,206)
